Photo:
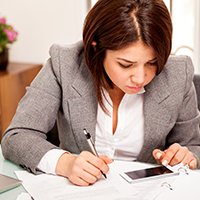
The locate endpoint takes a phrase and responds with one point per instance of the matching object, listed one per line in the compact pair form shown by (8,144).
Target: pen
(91,144)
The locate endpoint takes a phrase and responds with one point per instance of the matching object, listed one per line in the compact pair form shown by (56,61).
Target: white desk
(8,168)
(185,192)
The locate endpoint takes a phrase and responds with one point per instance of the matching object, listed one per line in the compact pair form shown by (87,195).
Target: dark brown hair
(115,24)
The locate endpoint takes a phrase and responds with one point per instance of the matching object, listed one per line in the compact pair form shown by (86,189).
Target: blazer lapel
(83,107)
(156,117)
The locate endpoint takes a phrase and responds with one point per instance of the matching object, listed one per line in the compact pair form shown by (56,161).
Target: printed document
(53,187)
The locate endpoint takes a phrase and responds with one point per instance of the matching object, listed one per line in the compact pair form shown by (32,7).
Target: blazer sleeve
(186,129)
(24,141)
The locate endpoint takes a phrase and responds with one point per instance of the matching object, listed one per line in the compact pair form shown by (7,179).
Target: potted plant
(7,36)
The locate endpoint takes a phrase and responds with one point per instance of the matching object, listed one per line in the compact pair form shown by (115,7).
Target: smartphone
(146,174)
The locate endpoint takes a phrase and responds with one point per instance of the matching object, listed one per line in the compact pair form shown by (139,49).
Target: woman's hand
(174,155)
(83,169)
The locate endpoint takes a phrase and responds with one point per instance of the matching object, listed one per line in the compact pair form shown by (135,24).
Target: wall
(41,23)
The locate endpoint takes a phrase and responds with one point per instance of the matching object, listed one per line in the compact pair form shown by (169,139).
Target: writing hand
(83,169)
(174,155)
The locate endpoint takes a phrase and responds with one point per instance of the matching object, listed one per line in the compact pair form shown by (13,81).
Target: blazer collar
(83,106)
(156,116)
(157,88)
(83,82)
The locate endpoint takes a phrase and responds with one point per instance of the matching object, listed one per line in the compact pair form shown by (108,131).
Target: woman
(121,85)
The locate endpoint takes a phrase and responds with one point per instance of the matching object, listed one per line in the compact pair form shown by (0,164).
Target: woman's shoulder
(69,52)
(67,59)
(176,77)
(180,65)
(178,69)
(72,48)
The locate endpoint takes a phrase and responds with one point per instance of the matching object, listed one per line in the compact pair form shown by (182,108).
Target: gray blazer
(64,90)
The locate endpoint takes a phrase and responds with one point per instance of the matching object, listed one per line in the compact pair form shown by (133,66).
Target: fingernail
(164,163)
(158,155)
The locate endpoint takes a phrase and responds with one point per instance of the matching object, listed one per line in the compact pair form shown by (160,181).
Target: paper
(24,196)
(185,186)
(147,190)
(114,187)
(52,187)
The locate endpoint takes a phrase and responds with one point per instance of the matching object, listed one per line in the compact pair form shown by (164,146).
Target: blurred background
(42,23)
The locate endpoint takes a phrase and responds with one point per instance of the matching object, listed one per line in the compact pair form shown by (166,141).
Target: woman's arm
(183,141)
(24,141)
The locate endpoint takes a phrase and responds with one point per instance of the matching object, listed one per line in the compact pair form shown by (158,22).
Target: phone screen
(147,173)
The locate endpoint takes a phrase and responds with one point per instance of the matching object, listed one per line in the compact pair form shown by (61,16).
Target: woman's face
(131,68)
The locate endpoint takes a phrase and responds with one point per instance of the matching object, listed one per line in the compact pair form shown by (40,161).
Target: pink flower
(2,20)
(7,34)
(11,34)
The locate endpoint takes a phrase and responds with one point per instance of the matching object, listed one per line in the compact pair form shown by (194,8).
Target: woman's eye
(124,66)
(153,64)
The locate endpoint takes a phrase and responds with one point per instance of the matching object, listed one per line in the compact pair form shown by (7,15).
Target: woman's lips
(135,88)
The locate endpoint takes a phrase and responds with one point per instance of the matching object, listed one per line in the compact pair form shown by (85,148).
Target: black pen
(92,147)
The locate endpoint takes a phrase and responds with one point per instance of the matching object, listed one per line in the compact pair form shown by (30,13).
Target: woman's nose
(138,75)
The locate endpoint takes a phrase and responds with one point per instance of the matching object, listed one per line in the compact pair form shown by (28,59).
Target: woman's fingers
(193,163)
(84,169)
(158,154)
(174,155)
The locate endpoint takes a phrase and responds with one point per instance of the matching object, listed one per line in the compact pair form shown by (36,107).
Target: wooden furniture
(13,82)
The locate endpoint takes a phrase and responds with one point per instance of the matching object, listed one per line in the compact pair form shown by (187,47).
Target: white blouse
(127,140)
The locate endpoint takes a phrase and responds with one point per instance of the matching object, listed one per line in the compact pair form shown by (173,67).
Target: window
(93,2)
(183,19)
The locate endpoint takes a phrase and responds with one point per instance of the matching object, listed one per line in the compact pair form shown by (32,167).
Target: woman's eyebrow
(129,61)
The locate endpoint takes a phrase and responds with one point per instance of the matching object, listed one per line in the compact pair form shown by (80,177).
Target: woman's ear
(94,45)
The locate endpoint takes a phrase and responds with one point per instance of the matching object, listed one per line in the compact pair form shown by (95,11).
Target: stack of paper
(52,187)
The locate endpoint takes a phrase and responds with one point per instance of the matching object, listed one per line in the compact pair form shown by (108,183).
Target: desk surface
(8,168)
